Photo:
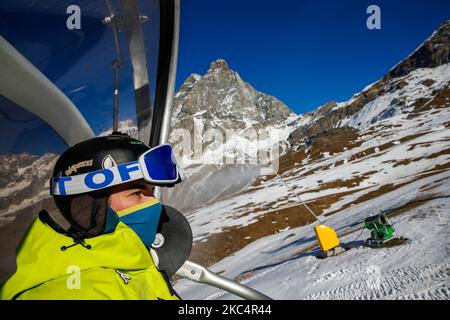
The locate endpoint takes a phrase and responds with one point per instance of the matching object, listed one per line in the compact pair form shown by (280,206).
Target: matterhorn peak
(221,99)
(218,65)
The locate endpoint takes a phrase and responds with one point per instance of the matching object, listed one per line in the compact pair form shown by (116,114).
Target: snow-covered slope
(337,172)
(284,265)
(419,84)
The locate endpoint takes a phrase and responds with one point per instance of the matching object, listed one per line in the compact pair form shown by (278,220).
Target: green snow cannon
(380,230)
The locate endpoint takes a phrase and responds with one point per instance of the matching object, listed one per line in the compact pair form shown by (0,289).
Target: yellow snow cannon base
(327,237)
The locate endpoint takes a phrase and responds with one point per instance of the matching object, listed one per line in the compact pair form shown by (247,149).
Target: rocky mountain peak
(326,107)
(221,99)
(218,65)
(434,52)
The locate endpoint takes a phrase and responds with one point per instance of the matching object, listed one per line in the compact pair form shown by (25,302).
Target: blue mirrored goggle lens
(161,165)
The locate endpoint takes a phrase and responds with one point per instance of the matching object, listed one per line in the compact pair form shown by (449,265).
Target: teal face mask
(143,218)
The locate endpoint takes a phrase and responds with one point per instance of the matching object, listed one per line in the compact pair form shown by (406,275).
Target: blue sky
(304,52)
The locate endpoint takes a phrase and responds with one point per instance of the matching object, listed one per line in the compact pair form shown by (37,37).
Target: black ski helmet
(86,213)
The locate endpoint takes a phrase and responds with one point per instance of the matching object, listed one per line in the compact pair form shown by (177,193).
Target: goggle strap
(96,180)
(108,177)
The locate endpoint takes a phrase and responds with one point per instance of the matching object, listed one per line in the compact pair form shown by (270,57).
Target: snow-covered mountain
(387,148)
(218,117)
(220,103)
(422,75)
(221,99)
(126,126)
(25,191)
(25,181)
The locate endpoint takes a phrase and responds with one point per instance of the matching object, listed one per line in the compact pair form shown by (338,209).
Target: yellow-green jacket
(118,266)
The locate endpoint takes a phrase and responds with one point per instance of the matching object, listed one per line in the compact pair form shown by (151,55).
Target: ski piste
(141,40)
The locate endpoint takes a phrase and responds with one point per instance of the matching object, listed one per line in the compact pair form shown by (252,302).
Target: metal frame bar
(166,73)
(131,22)
(167,70)
(197,273)
(165,127)
(22,83)
(117,63)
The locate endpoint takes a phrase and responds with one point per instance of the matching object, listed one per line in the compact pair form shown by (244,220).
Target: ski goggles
(156,166)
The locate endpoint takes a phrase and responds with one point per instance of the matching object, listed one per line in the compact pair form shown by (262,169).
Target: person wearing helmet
(98,244)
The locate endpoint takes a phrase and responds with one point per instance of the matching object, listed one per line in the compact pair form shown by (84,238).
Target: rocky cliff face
(221,102)
(434,52)
(220,99)
(25,180)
